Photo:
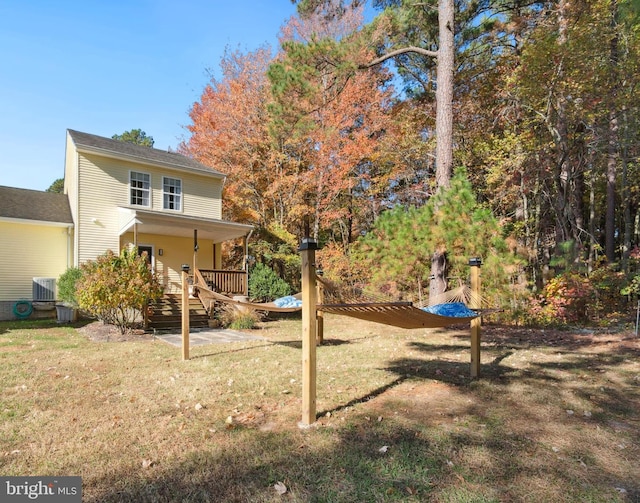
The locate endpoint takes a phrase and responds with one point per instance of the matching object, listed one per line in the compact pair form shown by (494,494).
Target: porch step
(166,313)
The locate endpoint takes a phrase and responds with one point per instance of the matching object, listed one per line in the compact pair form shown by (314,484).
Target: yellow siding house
(36,246)
(116,195)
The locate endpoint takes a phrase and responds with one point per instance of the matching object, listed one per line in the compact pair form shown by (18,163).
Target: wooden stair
(166,313)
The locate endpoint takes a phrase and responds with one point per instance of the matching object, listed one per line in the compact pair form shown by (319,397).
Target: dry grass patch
(554,418)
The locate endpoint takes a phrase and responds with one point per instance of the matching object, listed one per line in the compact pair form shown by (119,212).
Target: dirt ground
(100,332)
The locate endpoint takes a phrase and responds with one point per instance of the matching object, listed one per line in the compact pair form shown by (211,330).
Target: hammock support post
(185,312)
(320,314)
(475,264)
(307,251)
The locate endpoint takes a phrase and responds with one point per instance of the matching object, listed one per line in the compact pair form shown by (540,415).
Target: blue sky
(105,67)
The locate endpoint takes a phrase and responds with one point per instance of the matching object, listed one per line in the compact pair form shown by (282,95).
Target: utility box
(44,289)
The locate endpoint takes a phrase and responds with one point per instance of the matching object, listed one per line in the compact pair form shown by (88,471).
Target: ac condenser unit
(44,289)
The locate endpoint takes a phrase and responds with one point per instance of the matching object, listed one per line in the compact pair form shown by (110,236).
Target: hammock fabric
(284,305)
(397,314)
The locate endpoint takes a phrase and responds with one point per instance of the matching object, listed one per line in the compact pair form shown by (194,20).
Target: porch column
(195,250)
(245,265)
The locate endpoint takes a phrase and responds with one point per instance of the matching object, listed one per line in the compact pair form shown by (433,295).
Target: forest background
(337,134)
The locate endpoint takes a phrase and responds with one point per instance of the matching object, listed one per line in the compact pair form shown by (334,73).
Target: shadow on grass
(38,324)
(252,462)
(327,342)
(369,396)
(359,461)
(229,351)
(423,462)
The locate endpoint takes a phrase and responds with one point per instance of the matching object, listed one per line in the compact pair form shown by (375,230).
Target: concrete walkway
(208,336)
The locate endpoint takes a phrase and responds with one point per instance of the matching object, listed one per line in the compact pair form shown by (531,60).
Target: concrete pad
(208,336)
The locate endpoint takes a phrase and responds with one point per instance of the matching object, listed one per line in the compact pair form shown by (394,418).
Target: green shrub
(67,285)
(265,285)
(632,287)
(243,322)
(116,288)
(607,301)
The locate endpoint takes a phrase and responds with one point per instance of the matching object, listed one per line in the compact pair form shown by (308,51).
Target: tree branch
(397,52)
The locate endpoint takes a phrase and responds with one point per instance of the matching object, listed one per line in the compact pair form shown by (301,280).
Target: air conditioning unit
(44,289)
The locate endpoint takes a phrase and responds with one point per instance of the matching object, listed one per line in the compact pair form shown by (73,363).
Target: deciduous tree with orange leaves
(306,161)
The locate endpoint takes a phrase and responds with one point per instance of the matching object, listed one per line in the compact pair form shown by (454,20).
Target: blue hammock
(452,310)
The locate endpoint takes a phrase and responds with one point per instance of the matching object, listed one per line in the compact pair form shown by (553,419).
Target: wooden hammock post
(307,250)
(185,311)
(319,314)
(475,264)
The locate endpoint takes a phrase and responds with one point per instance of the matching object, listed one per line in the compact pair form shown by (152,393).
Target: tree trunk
(626,197)
(563,167)
(444,129)
(612,147)
(592,223)
(444,94)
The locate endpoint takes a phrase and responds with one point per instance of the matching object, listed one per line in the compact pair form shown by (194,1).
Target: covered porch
(175,242)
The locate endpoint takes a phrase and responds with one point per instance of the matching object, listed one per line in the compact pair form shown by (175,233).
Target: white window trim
(131,203)
(180,209)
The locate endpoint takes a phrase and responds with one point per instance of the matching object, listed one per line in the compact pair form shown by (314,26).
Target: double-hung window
(172,193)
(140,188)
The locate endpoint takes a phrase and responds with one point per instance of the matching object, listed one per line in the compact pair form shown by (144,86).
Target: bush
(265,285)
(608,301)
(564,300)
(243,322)
(67,285)
(116,288)
(238,318)
(571,297)
(632,288)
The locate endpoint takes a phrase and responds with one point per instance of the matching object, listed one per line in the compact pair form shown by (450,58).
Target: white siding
(28,251)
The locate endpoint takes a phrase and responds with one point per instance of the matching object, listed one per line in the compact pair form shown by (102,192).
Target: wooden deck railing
(226,282)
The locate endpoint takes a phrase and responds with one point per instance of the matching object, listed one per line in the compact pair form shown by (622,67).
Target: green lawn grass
(555,416)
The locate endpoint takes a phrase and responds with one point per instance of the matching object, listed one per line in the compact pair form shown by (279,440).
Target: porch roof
(150,222)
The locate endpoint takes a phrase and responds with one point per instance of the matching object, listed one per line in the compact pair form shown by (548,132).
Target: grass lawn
(554,418)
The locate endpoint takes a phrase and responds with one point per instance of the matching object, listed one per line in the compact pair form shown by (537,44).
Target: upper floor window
(140,188)
(171,193)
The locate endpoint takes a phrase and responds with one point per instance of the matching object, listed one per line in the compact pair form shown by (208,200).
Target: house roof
(91,143)
(25,204)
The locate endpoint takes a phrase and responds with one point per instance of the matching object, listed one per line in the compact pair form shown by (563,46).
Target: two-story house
(116,195)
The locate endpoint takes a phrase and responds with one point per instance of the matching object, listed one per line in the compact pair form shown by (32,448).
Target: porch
(229,283)
(166,314)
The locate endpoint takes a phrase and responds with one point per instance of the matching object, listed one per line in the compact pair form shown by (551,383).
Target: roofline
(47,223)
(186,218)
(141,160)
